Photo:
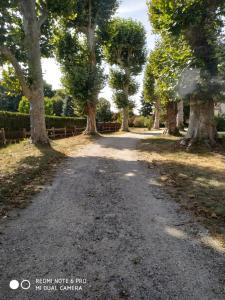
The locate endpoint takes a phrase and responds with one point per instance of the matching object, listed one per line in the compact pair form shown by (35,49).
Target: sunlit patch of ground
(25,168)
(196,180)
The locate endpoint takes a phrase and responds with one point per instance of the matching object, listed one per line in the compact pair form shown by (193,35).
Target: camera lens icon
(14,284)
(25,284)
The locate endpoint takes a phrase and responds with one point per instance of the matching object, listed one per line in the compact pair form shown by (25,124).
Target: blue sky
(135,9)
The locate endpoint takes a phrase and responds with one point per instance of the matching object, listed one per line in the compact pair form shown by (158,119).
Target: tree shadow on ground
(29,177)
(111,226)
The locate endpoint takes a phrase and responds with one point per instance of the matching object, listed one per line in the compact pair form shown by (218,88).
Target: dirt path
(106,220)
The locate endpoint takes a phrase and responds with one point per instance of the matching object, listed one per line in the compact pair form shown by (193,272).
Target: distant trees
(199,23)
(125,48)
(146,107)
(104,113)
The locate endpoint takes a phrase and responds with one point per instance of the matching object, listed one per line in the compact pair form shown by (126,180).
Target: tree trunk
(32,42)
(91,128)
(37,118)
(201,123)
(180,115)
(171,122)
(157,116)
(125,118)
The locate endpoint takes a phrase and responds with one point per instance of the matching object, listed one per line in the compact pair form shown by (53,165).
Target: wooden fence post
(53,132)
(24,133)
(3,136)
(65,132)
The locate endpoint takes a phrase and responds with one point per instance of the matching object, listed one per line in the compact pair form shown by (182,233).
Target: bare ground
(106,219)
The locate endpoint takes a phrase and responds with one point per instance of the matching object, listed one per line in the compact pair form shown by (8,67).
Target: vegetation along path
(102,219)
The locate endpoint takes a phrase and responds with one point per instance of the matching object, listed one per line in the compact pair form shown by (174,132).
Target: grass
(195,180)
(25,168)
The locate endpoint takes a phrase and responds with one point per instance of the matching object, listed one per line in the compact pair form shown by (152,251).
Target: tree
(24,39)
(199,23)
(79,52)
(125,48)
(68,107)
(20,43)
(104,113)
(146,107)
(149,94)
(162,76)
(48,90)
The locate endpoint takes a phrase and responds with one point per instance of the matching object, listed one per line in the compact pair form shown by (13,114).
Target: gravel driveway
(105,230)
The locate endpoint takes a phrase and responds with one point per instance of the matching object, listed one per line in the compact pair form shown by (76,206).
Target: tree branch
(44,14)
(7,53)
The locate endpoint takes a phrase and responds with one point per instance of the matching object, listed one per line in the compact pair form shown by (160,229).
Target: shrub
(220,123)
(24,106)
(148,122)
(14,121)
(143,122)
(139,122)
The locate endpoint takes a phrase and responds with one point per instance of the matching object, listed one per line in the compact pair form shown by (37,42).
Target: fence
(108,127)
(7,136)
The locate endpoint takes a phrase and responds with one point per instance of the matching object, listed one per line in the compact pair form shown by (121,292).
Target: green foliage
(24,106)
(125,45)
(48,90)
(48,106)
(164,70)
(143,122)
(125,48)
(104,113)
(68,107)
(200,24)
(14,121)
(82,83)
(120,99)
(220,123)
(119,80)
(78,42)
(146,107)
(8,101)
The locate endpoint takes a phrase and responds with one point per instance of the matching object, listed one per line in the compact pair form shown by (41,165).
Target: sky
(135,9)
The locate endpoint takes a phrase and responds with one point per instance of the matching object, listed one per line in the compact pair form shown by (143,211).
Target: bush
(24,106)
(143,122)
(139,122)
(14,121)
(220,123)
(148,122)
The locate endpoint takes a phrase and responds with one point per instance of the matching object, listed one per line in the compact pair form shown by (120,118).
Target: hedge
(220,123)
(14,121)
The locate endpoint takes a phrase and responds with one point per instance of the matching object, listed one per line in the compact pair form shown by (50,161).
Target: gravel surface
(105,220)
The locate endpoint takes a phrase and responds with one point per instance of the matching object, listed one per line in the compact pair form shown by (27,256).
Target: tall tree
(123,87)
(200,23)
(82,65)
(24,38)
(20,31)
(162,76)
(150,95)
(125,48)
